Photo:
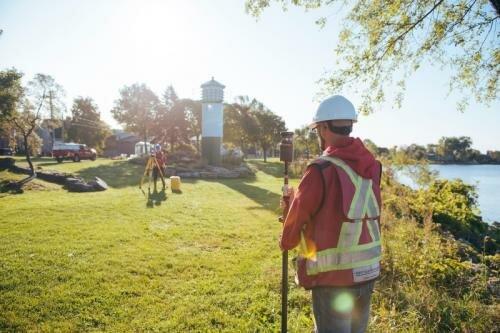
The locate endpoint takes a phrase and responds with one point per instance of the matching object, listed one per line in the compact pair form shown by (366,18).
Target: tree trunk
(243,148)
(28,157)
(307,149)
(264,152)
(145,143)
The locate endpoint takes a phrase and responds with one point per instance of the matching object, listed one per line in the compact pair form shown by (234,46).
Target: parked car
(6,151)
(73,151)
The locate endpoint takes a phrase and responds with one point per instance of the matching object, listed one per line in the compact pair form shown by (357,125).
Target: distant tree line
(250,125)
(174,122)
(448,150)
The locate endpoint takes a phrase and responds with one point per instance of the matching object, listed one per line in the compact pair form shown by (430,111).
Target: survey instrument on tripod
(286,155)
(148,172)
(152,168)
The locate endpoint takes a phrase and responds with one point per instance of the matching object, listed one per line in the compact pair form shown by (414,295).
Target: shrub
(297,168)
(183,153)
(231,160)
(232,156)
(425,286)
(453,204)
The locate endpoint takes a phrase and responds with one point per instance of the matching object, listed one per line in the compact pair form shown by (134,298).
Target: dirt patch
(11,187)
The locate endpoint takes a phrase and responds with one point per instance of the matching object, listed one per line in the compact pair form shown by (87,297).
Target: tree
(43,94)
(249,122)
(25,122)
(86,125)
(232,127)
(11,92)
(34,143)
(416,151)
(44,87)
(269,128)
(136,109)
(240,126)
(431,148)
(455,149)
(176,124)
(7,133)
(171,125)
(384,40)
(306,141)
(300,139)
(170,97)
(194,119)
(494,155)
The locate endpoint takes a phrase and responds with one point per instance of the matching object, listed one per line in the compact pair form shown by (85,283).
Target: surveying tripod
(149,171)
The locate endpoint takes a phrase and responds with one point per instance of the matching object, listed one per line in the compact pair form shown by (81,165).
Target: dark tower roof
(213,83)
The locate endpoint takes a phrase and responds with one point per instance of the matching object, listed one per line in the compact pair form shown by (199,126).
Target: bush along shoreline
(441,260)
(450,204)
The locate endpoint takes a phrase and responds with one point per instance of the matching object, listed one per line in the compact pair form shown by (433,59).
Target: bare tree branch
(486,37)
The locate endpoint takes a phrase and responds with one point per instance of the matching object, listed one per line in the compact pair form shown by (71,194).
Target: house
(49,134)
(120,143)
(47,141)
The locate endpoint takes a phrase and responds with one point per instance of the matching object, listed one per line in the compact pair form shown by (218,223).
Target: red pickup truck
(73,151)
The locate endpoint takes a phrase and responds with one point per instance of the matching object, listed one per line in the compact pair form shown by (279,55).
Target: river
(485,177)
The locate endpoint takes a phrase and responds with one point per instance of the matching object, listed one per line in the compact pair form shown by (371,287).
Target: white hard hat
(334,108)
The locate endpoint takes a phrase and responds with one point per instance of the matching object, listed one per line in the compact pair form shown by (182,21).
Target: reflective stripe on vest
(349,254)
(344,258)
(364,203)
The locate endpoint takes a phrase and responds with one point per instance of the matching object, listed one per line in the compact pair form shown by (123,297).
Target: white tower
(212,95)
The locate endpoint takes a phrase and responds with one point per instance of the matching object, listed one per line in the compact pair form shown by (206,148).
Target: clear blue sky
(95,47)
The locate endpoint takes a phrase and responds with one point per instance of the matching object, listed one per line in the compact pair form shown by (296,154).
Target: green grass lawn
(205,260)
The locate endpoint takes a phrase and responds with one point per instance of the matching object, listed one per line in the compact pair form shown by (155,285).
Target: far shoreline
(461,163)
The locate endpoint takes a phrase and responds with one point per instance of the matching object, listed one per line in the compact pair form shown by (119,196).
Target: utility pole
(62,126)
(51,105)
(50,125)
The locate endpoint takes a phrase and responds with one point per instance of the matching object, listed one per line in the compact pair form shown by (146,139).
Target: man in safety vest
(334,218)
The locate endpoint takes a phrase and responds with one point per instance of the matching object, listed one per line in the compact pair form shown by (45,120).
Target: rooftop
(213,83)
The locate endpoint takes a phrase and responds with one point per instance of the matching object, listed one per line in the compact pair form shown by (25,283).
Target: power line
(85,125)
(88,120)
